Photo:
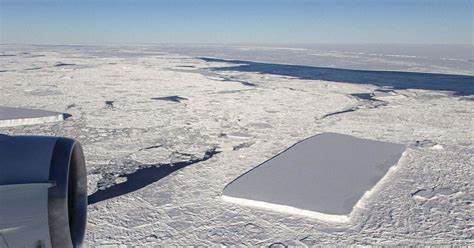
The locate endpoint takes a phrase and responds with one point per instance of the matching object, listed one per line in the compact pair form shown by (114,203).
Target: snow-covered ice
(231,121)
(10,116)
(323,176)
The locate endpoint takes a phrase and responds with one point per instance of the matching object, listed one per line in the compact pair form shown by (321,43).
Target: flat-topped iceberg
(323,176)
(23,116)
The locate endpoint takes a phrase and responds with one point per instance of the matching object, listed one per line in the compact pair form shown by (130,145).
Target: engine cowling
(43,192)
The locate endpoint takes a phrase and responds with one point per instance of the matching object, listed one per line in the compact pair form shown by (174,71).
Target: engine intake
(43,192)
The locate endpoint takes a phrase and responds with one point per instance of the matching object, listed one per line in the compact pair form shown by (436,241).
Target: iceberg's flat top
(327,173)
(9,113)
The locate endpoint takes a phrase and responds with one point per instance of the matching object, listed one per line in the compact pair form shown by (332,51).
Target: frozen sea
(166,127)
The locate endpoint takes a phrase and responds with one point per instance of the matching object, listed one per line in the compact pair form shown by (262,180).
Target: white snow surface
(427,200)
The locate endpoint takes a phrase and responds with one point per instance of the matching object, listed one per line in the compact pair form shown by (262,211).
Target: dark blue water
(458,84)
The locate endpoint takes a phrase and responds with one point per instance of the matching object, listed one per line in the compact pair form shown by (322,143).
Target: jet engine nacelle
(43,192)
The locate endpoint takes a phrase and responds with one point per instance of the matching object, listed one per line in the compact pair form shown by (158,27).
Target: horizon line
(232,43)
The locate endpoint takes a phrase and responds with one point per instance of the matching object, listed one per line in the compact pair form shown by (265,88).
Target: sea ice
(130,146)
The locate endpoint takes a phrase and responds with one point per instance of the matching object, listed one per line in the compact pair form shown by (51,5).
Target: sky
(236,21)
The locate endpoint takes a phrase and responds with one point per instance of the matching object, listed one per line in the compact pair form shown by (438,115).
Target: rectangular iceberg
(323,176)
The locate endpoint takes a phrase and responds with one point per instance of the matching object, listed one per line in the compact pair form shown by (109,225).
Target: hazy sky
(236,21)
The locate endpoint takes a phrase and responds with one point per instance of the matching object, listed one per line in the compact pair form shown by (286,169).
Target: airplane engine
(43,192)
